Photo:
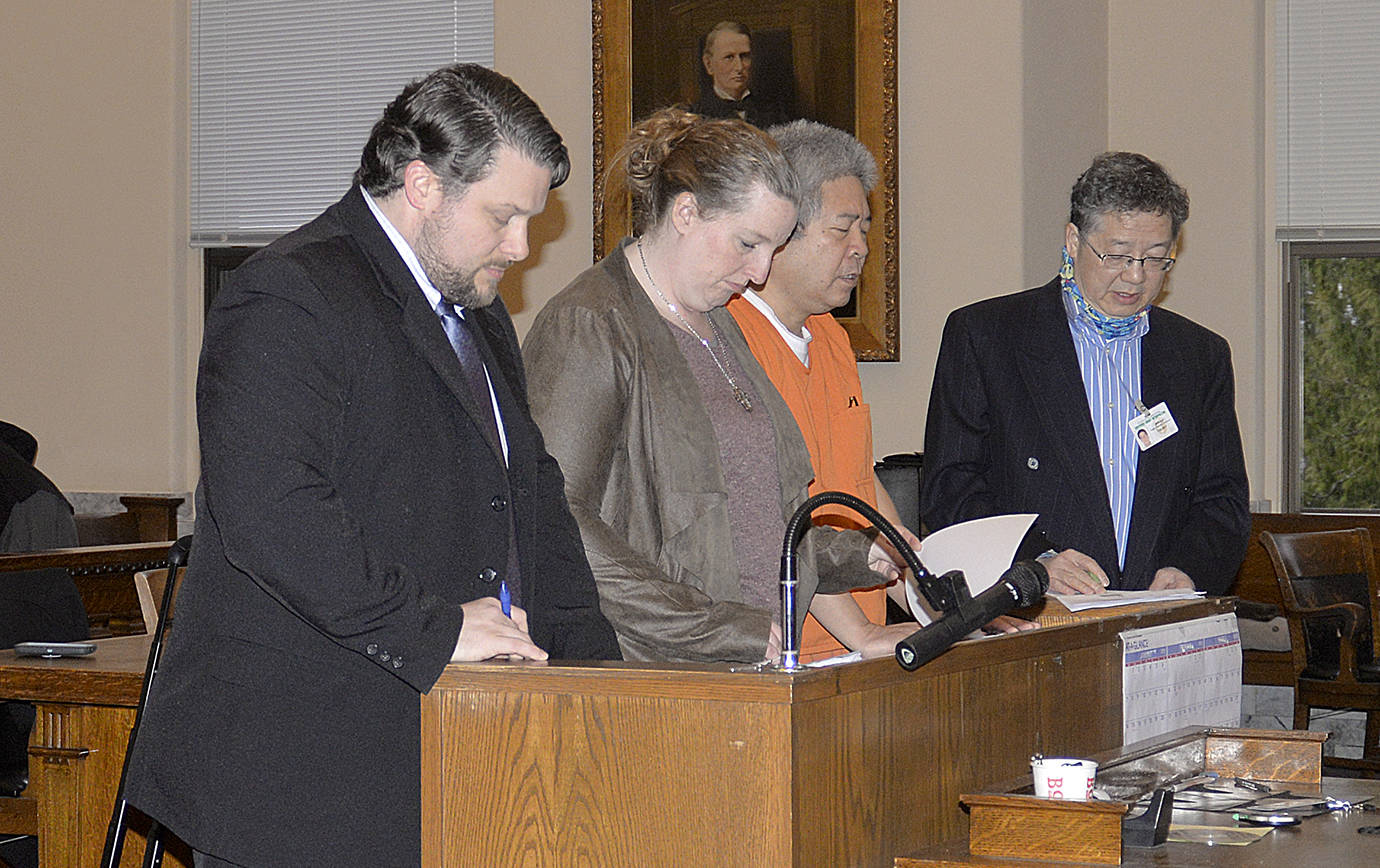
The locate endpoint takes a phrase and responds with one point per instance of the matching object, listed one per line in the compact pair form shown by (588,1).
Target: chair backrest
(150,585)
(900,476)
(1322,568)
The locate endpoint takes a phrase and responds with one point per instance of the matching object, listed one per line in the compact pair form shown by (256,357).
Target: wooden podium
(854,765)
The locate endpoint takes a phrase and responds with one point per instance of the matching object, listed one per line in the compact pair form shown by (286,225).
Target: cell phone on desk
(54,649)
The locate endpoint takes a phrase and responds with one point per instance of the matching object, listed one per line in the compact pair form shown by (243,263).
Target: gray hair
(819,154)
(723,27)
(1120,182)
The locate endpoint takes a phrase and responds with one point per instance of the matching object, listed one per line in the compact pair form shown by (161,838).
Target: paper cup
(1063,778)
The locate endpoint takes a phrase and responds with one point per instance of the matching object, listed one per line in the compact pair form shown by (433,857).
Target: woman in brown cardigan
(682,463)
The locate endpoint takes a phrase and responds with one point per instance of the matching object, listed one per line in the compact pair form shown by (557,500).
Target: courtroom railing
(146,518)
(104,576)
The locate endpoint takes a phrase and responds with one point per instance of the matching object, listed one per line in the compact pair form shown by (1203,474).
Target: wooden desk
(85,712)
(1329,840)
(1011,827)
(147,518)
(626,763)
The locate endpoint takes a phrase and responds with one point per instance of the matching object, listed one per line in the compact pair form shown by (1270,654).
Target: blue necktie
(462,339)
(466,345)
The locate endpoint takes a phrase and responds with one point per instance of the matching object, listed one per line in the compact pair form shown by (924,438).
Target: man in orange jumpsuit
(807,355)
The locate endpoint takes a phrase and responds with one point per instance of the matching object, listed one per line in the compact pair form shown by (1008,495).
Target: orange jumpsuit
(826,401)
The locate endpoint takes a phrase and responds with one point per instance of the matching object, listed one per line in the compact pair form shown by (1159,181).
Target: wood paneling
(626,763)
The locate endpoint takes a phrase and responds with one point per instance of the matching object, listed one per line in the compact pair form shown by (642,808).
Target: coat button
(397,662)
(1033,463)
(498,503)
(487,575)
(371,650)
(385,656)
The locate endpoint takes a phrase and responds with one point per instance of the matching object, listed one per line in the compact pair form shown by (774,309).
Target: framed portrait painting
(832,61)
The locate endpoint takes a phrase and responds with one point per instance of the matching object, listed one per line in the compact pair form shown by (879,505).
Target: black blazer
(1009,430)
(349,503)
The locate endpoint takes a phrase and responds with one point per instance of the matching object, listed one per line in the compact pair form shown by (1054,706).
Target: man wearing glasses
(1081,401)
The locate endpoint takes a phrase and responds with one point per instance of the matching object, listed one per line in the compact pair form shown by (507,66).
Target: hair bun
(718,160)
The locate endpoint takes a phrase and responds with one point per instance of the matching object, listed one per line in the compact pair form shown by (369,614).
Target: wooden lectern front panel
(598,778)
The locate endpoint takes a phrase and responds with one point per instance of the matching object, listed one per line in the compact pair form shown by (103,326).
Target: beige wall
(1193,95)
(1001,104)
(94,325)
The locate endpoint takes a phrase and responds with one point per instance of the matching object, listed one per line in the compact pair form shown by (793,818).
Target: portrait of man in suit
(749,60)
(727,89)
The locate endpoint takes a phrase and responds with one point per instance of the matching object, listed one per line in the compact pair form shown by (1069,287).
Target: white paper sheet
(982,548)
(1108,599)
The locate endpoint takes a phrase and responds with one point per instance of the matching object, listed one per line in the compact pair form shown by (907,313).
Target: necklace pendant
(742,398)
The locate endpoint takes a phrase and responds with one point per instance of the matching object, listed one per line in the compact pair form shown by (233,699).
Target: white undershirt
(726,98)
(799,343)
(433,298)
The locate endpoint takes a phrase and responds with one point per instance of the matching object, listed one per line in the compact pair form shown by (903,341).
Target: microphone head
(1030,580)
(180,552)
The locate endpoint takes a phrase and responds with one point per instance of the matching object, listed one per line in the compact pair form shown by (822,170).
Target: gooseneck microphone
(1022,585)
(795,529)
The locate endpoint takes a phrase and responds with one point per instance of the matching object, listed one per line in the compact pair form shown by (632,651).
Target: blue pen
(505,599)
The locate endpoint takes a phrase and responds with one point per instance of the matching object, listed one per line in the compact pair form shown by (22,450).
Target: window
(1334,294)
(1327,75)
(216,265)
(284,93)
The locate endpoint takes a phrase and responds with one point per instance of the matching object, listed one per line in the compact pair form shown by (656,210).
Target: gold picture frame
(667,61)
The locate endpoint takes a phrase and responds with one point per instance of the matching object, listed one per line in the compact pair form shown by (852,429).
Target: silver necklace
(738,394)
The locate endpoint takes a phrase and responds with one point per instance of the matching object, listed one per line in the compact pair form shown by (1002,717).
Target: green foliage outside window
(1340,312)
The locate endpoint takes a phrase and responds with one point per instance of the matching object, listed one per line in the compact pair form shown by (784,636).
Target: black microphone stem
(795,529)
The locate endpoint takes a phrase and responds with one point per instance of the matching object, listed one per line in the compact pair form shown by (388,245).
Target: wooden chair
(159,624)
(1331,594)
(149,585)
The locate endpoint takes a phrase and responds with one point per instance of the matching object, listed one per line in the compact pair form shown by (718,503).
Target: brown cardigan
(621,412)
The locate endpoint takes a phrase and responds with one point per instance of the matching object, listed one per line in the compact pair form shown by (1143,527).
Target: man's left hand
(1171,579)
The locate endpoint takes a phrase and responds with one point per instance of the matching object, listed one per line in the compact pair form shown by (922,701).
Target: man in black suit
(727,60)
(372,485)
(1040,398)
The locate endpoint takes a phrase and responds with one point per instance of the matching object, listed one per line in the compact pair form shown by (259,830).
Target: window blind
(284,93)
(1327,119)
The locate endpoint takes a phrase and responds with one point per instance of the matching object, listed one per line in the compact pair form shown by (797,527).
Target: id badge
(1153,425)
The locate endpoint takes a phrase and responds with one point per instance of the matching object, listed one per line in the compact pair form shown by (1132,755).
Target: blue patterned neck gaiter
(1109,327)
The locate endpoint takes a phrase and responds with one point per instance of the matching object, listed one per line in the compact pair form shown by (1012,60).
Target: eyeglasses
(1121,262)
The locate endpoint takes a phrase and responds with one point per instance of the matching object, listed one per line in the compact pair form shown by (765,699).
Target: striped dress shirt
(1111,378)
